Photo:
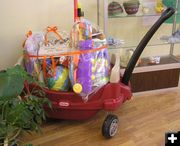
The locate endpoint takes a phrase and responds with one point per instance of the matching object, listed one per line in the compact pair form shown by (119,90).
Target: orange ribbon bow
(54,30)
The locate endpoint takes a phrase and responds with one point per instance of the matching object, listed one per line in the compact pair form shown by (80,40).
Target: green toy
(172,3)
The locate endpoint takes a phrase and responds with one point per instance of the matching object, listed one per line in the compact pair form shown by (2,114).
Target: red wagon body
(68,105)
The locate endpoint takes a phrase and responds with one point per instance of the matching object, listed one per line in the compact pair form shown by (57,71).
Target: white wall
(19,16)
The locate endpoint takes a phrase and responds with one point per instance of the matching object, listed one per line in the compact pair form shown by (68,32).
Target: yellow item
(107,64)
(61,80)
(159,6)
(93,61)
(92,77)
(77,88)
(79,5)
(93,69)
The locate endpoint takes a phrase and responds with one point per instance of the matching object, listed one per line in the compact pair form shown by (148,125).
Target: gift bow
(54,30)
(28,34)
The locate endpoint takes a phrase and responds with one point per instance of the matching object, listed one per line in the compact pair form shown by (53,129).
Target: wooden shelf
(147,76)
(154,80)
(156,76)
(178,58)
(164,60)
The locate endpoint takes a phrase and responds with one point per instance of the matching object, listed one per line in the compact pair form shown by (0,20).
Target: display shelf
(134,45)
(136,31)
(135,15)
(124,15)
(178,57)
(166,62)
(148,77)
(131,29)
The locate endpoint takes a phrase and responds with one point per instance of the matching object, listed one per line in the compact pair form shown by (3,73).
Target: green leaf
(19,115)
(3,128)
(26,114)
(10,85)
(29,144)
(18,70)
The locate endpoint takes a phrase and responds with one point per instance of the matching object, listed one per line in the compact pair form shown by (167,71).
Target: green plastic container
(172,3)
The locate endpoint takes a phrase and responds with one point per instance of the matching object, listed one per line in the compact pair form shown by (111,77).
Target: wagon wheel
(110,126)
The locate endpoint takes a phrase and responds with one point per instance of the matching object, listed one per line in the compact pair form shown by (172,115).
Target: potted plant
(19,110)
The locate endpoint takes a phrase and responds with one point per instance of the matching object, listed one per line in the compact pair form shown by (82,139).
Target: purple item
(29,65)
(86,45)
(84,70)
(101,66)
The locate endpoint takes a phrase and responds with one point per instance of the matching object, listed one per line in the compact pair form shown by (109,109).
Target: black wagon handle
(138,51)
(167,13)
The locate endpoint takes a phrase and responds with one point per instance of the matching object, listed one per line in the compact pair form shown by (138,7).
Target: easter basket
(78,63)
(42,59)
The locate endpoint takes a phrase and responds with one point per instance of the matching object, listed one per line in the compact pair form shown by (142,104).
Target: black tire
(110,126)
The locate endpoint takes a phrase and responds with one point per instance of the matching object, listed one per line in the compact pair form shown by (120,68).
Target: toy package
(90,69)
(31,46)
(76,63)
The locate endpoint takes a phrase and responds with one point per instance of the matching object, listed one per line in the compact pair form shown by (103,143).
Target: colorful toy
(59,82)
(31,46)
(84,71)
(91,71)
(80,66)
(100,69)
(72,71)
(101,66)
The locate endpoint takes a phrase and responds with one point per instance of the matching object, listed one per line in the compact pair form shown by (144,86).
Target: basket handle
(54,30)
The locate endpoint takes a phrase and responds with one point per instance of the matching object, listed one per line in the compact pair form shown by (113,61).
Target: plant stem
(3,109)
(15,135)
(6,141)
(19,97)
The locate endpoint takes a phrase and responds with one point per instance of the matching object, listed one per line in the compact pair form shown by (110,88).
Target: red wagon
(69,105)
